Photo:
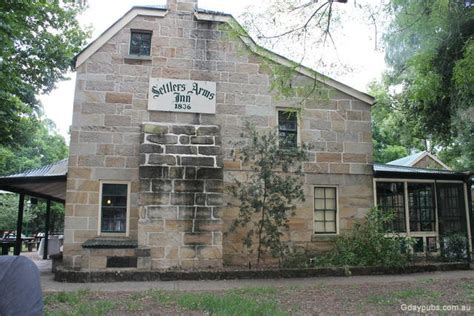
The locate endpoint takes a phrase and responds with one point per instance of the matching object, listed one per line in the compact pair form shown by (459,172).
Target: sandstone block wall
(108,143)
(181,195)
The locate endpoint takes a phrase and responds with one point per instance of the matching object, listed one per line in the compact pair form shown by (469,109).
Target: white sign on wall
(189,96)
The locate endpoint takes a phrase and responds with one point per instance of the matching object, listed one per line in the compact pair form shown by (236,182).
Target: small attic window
(140,43)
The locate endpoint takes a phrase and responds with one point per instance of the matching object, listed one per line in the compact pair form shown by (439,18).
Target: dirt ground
(431,293)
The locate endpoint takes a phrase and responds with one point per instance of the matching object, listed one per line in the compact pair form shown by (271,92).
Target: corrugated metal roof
(156,7)
(403,169)
(406,161)
(199,10)
(55,169)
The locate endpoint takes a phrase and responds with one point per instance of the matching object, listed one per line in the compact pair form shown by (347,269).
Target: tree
(430,48)
(44,146)
(274,185)
(392,135)
(39,41)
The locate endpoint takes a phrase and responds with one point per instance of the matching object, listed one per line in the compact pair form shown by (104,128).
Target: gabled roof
(213,16)
(410,161)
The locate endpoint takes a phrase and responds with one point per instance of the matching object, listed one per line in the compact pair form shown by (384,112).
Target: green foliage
(273,187)
(9,212)
(33,216)
(367,245)
(231,303)
(454,247)
(44,146)
(430,51)
(39,41)
(393,137)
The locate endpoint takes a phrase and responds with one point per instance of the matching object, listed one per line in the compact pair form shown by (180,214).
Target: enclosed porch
(430,206)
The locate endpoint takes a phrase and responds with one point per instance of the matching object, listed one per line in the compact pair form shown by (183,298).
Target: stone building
(159,97)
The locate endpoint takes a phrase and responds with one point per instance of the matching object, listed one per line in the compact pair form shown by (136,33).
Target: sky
(354,42)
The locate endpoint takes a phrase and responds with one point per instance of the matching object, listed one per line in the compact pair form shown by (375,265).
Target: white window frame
(337,210)
(298,123)
(99,221)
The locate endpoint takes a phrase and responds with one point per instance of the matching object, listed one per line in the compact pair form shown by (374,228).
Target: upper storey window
(140,43)
(288,128)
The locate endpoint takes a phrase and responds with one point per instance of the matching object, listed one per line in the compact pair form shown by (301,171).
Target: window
(451,208)
(325,210)
(114,205)
(390,198)
(288,128)
(140,43)
(421,207)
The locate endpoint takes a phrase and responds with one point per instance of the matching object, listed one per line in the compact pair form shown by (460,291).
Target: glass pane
(319,192)
(418,247)
(330,215)
(319,216)
(114,189)
(431,244)
(391,199)
(319,204)
(330,204)
(421,206)
(140,43)
(114,207)
(451,208)
(319,227)
(330,227)
(331,193)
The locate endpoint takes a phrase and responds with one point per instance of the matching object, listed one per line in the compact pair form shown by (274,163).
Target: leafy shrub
(367,245)
(454,247)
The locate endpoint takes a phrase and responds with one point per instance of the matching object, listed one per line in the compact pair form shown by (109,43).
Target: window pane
(114,207)
(288,128)
(451,208)
(319,227)
(330,227)
(319,192)
(319,203)
(331,216)
(319,215)
(421,206)
(391,198)
(330,204)
(331,193)
(325,208)
(140,43)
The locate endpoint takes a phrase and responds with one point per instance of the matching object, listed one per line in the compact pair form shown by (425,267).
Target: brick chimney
(182,5)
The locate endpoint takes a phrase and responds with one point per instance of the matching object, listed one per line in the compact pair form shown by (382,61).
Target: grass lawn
(324,299)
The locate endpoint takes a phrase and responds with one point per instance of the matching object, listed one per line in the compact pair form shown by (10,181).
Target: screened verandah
(47,183)
(428,205)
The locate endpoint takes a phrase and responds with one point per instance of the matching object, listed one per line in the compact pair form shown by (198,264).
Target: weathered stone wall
(181,184)
(110,107)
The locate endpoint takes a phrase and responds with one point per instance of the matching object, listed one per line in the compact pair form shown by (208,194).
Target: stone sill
(138,57)
(101,243)
(324,237)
